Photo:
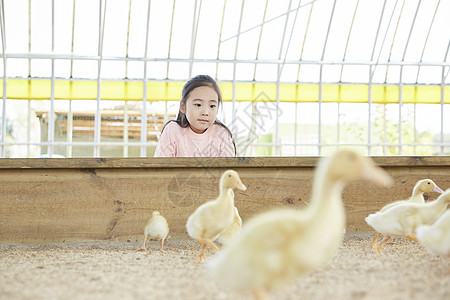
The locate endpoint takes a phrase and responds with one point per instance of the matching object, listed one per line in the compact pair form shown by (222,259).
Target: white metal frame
(280,63)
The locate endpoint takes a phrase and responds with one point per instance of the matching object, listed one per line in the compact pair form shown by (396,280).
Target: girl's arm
(166,146)
(227,147)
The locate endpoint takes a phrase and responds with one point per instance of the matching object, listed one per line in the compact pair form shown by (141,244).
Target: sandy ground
(114,270)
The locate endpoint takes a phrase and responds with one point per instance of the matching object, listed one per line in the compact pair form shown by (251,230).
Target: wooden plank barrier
(55,200)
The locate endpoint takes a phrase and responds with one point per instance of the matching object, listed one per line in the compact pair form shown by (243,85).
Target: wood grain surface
(55,200)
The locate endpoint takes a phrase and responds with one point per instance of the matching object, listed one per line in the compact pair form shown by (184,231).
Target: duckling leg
(260,294)
(375,240)
(412,237)
(382,244)
(162,244)
(202,256)
(206,243)
(143,246)
(212,245)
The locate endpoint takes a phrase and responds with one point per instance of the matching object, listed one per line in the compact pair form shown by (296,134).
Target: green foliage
(384,136)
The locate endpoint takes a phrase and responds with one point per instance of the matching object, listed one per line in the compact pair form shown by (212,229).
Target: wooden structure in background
(55,200)
(114,123)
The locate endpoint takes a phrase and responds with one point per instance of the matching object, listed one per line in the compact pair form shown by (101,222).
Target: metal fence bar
(233,128)
(280,62)
(233,61)
(125,104)
(2,24)
(143,148)
(170,37)
(320,76)
(265,22)
(51,117)
(444,78)
(98,117)
(280,70)
(195,21)
(220,36)
(70,113)
(371,73)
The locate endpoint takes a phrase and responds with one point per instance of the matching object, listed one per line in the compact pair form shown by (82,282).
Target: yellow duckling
(436,237)
(421,187)
(403,219)
(232,231)
(157,228)
(278,246)
(210,219)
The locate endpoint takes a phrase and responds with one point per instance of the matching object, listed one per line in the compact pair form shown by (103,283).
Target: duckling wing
(208,221)
(433,239)
(410,219)
(157,228)
(232,231)
(391,205)
(386,222)
(436,237)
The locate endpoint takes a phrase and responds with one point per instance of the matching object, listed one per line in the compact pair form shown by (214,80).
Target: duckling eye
(429,183)
(229,175)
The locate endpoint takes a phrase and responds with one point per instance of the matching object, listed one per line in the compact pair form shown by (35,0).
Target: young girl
(196,132)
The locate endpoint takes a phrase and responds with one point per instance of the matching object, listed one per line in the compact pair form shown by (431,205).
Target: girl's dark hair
(189,86)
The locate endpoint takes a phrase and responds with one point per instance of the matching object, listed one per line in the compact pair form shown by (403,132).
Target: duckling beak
(378,175)
(437,190)
(242,187)
(239,185)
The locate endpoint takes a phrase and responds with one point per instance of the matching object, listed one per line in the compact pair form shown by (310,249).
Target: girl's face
(201,108)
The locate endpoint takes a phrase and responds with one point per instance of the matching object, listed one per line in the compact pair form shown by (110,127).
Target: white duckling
(210,219)
(156,228)
(232,231)
(421,187)
(436,237)
(278,246)
(403,219)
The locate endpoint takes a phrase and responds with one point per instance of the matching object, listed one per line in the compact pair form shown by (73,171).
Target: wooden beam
(208,162)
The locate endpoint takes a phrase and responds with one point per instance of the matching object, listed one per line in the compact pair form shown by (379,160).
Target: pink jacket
(176,141)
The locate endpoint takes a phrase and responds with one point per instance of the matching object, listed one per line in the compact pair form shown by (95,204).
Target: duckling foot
(212,245)
(412,237)
(378,251)
(375,239)
(201,258)
(382,244)
(260,294)
(143,245)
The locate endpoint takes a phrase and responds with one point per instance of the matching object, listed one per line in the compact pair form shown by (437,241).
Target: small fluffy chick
(157,228)
(232,231)
(436,237)
(278,246)
(210,219)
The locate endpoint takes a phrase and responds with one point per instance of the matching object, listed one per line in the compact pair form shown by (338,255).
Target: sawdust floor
(114,270)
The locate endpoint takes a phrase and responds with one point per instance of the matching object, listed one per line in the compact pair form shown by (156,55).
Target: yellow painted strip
(126,90)
(83,90)
(171,91)
(308,93)
(385,94)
